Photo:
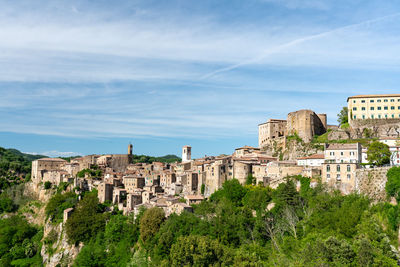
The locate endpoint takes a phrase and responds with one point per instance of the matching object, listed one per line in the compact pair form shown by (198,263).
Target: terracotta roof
(315,156)
(247,147)
(194,197)
(373,96)
(341,146)
(52,159)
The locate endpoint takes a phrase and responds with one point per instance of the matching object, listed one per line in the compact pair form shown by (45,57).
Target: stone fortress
(304,123)
(131,186)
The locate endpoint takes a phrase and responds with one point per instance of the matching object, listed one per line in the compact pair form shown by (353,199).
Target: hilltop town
(287,147)
(259,193)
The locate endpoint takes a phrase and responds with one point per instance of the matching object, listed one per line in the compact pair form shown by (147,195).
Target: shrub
(47,185)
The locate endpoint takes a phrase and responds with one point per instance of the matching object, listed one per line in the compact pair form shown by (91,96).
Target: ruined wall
(306,124)
(375,128)
(339,135)
(371,182)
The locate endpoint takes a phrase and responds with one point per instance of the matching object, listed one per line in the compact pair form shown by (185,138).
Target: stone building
(271,129)
(343,153)
(131,183)
(186,153)
(315,160)
(105,192)
(304,123)
(340,175)
(47,169)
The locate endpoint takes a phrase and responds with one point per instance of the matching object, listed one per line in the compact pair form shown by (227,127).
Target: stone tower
(130,149)
(186,153)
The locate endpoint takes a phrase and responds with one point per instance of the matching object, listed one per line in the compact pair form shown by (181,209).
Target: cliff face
(291,149)
(56,251)
(375,128)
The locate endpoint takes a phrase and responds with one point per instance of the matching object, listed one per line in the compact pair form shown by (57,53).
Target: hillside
(150,159)
(15,167)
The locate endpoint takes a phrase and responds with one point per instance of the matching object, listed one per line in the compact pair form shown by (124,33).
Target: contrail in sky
(279,48)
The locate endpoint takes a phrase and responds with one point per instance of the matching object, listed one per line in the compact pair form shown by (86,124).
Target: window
(328,168)
(379,116)
(348,176)
(362,101)
(332,153)
(378,100)
(398,107)
(354,108)
(385,100)
(341,153)
(338,168)
(393,116)
(348,168)
(338,177)
(391,100)
(379,108)
(355,117)
(372,116)
(392,108)
(385,108)
(354,101)
(372,108)
(328,176)
(363,108)
(372,101)
(352,153)
(363,116)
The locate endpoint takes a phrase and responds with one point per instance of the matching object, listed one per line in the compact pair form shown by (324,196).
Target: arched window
(348,168)
(328,168)
(338,168)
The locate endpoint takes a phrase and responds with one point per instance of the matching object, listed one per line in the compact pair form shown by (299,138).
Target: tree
(232,190)
(86,220)
(47,185)
(58,203)
(392,186)
(343,116)
(150,223)
(196,250)
(378,153)
(203,189)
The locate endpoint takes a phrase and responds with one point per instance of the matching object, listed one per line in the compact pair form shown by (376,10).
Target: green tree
(47,185)
(378,153)
(199,251)
(343,116)
(150,223)
(392,186)
(58,203)
(86,220)
(231,190)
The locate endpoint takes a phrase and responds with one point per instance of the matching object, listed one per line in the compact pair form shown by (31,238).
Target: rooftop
(315,156)
(52,159)
(373,96)
(341,146)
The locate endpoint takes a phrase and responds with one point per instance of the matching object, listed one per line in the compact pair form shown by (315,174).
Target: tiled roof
(373,96)
(315,156)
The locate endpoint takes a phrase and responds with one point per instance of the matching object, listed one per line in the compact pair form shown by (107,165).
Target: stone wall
(371,182)
(306,124)
(375,128)
(338,135)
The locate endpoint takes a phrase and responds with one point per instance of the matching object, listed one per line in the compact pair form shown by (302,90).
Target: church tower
(130,149)
(186,153)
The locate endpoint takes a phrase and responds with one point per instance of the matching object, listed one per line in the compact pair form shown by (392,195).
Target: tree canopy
(378,153)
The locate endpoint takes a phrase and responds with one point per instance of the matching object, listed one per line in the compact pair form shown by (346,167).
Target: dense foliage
(343,116)
(393,183)
(58,203)
(93,172)
(19,243)
(378,153)
(150,159)
(15,167)
(252,226)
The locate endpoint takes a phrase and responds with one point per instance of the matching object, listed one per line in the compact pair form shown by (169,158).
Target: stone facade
(371,182)
(306,124)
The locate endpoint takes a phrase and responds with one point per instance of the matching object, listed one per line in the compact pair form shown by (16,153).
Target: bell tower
(186,153)
(130,149)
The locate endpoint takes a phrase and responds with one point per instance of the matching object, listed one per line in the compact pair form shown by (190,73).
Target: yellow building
(383,106)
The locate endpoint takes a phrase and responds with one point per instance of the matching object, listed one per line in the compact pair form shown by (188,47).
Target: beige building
(343,153)
(384,106)
(271,129)
(132,183)
(340,175)
(47,169)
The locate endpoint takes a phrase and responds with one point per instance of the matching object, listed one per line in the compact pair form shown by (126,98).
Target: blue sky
(84,77)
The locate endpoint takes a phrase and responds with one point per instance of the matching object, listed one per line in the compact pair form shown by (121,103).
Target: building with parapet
(375,107)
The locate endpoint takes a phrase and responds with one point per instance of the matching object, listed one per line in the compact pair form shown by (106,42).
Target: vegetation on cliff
(245,226)
(150,159)
(15,167)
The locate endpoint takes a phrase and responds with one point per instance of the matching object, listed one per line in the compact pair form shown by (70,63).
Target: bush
(47,185)
(58,203)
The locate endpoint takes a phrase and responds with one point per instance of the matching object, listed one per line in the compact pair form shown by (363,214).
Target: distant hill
(149,159)
(15,167)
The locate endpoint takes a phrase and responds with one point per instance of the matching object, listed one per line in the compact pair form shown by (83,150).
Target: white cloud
(55,153)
